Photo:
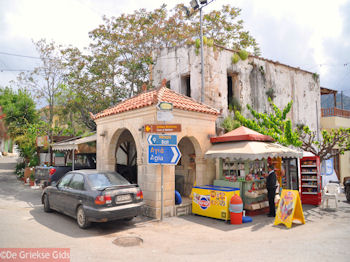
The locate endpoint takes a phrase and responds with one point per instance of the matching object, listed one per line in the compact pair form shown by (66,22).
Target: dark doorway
(186,85)
(126,157)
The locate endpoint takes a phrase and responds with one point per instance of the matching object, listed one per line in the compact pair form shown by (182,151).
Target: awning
(251,150)
(73,144)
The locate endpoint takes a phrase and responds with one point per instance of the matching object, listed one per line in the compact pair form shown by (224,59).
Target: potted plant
(32,178)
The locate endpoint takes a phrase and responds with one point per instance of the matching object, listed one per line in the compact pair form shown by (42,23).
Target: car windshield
(107,179)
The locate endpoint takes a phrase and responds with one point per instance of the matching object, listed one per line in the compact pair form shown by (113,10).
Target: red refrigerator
(310,177)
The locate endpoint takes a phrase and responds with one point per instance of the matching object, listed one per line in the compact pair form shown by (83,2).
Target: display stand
(310,180)
(253,191)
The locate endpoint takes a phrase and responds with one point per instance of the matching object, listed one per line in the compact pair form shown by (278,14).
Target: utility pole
(202,55)
(199,4)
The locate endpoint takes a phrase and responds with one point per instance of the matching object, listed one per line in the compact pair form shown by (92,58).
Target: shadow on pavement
(258,223)
(13,189)
(68,226)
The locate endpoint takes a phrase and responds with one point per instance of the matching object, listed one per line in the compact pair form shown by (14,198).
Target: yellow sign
(289,209)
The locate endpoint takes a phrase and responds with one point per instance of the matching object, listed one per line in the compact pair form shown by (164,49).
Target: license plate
(123,198)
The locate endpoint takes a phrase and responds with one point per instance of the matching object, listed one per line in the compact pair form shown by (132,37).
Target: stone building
(120,130)
(247,81)
(122,143)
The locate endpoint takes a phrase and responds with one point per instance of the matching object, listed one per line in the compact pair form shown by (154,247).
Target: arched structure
(121,130)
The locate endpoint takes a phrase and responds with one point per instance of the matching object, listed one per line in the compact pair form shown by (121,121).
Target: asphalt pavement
(23,224)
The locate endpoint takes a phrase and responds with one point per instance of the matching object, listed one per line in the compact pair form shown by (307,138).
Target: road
(23,224)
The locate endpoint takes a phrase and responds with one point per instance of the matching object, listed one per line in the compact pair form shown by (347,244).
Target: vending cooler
(310,180)
(213,201)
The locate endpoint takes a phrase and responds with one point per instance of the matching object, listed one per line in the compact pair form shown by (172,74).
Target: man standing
(271,189)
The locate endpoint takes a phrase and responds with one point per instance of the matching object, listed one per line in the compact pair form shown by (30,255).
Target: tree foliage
(333,142)
(45,80)
(279,127)
(22,120)
(119,60)
(275,124)
(19,108)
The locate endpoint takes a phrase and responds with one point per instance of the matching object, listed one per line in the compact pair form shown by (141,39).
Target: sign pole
(161,197)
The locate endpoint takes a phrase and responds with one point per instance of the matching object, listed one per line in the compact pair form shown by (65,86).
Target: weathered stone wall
(255,77)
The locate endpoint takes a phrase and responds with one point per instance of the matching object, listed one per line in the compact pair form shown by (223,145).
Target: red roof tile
(152,97)
(241,134)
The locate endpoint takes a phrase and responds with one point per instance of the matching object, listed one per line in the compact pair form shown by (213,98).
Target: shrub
(243,54)
(235,58)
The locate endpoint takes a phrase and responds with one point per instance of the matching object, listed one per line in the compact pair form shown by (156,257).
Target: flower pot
(31,183)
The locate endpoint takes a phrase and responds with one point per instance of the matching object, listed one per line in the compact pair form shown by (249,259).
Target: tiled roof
(241,134)
(152,97)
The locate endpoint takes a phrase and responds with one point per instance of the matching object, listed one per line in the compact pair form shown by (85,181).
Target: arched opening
(126,156)
(185,171)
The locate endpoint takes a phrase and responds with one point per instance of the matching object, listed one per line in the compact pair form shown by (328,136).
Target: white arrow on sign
(149,139)
(175,154)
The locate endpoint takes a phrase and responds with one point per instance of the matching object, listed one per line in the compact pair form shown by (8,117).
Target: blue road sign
(166,155)
(166,140)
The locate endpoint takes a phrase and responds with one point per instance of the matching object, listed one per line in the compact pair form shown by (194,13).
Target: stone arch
(123,151)
(185,170)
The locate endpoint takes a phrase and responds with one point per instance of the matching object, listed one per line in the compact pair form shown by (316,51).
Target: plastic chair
(330,191)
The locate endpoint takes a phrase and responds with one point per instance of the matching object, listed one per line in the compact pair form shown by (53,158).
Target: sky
(313,35)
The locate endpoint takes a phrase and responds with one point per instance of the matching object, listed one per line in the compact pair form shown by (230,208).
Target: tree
(332,143)
(275,124)
(280,128)
(45,80)
(120,57)
(22,120)
(19,108)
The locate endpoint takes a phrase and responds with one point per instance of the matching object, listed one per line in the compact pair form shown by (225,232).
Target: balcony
(328,112)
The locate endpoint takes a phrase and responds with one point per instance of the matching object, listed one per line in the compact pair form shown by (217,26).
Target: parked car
(93,196)
(54,173)
(347,187)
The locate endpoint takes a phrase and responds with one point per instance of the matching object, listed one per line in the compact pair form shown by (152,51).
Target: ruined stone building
(248,82)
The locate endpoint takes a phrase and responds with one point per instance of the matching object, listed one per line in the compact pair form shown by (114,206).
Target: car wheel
(46,204)
(81,218)
(347,192)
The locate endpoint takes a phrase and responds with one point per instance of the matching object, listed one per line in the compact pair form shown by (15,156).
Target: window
(106,179)
(186,85)
(229,90)
(65,181)
(233,91)
(77,182)
(167,84)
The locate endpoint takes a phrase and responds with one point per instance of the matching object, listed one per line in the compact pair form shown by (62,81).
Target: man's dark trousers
(271,192)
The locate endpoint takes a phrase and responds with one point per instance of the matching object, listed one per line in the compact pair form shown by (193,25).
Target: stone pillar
(205,171)
(149,179)
(200,171)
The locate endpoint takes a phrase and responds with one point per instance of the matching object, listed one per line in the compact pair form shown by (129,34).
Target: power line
(14,70)
(25,56)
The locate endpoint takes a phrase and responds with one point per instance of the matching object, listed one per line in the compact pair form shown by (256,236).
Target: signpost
(168,128)
(162,140)
(163,150)
(164,155)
